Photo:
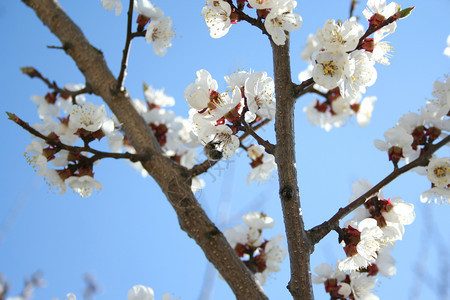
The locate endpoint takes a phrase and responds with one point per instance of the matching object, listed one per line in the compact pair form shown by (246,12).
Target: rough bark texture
(173,180)
(298,242)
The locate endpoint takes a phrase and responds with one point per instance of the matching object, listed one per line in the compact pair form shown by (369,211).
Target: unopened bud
(403,13)
(30,71)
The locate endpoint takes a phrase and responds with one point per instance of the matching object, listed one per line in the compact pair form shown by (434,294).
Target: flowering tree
(342,57)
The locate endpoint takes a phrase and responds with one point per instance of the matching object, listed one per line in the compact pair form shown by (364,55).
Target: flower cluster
(172,132)
(335,110)
(278,17)
(66,120)
(262,164)
(342,65)
(137,292)
(415,133)
(261,256)
(159,29)
(364,238)
(251,100)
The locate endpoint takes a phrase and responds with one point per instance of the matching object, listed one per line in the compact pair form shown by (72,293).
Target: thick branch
(319,232)
(173,179)
(298,244)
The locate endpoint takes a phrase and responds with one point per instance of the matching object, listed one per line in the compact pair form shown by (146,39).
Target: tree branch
(298,243)
(32,73)
(173,179)
(319,232)
(75,149)
(207,164)
(303,88)
(126,50)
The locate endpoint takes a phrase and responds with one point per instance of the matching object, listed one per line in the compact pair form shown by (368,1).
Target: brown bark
(173,179)
(298,242)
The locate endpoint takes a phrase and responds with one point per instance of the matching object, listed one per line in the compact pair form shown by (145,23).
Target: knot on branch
(286,193)
(185,202)
(211,234)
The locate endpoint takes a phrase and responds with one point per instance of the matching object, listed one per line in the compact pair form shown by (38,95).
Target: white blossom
(439,172)
(447,49)
(367,247)
(83,185)
(160,32)
(140,292)
(217,17)
(340,36)
(111,4)
(197,94)
(261,167)
(258,221)
(146,8)
(87,116)
(281,19)
(259,90)
(330,68)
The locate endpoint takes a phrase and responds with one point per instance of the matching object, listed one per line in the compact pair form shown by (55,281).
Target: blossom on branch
(111,4)
(281,19)
(217,17)
(261,256)
(160,32)
(262,164)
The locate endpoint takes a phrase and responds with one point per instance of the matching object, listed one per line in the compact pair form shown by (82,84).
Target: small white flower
(447,50)
(262,4)
(340,36)
(436,195)
(158,97)
(258,221)
(330,68)
(217,17)
(262,164)
(362,285)
(362,74)
(83,185)
(313,44)
(365,111)
(146,8)
(281,19)
(197,94)
(396,136)
(71,296)
(259,90)
(439,172)
(366,248)
(140,292)
(160,32)
(110,4)
(87,116)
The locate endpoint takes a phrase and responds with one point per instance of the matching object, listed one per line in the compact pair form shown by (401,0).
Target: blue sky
(128,234)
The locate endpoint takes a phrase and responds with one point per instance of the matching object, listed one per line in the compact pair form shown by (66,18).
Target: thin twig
(319,232)
(255,22)
(352,7)
(126,50)
(32,73)
(316,91)
(76,149)
(207,164)
(303,88)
